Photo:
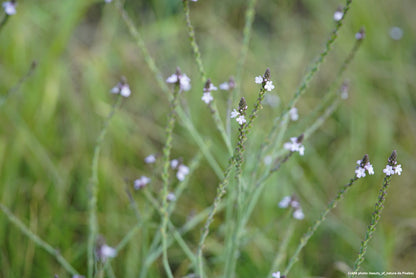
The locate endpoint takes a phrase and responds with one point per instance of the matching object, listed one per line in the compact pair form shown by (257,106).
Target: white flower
(121,88)
(234,114)
(174,163)
(9,7)
(284,203)
(258,79)
(298,214)
(207,98)
(241,119)
(225,86)
(108,1)
(183,79)
(125,90)
(183,171)
(294,146)
(140,183)
(269,86)
(359,35)
(338,15)
(171,197)
(210,88)
(106,251)
(276,274)
(293,113)
(398,169)
(360,172)
(150,159)
(388,170)
(369,168)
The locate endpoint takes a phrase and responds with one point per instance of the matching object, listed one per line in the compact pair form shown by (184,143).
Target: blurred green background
(48,128)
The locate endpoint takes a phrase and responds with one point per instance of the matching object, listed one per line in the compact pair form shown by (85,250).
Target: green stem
(93,188)
(38,241)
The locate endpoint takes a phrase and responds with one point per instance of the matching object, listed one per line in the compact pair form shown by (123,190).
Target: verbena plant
(242,180)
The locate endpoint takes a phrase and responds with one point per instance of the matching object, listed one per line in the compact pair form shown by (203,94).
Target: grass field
(51,115)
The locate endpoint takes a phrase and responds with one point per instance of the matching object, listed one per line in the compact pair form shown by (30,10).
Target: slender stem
(93,188)
(165,178)
(38,241)
(304,240)
(283,247)
(375,217)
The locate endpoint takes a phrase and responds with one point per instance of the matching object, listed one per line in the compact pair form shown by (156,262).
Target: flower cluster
(265,81)
(142,182)
(293,203)
(9,7)
(362,166)
(295,145)
(122,88)
(240,114)
(182,170)
(207,97)
(181,79)
(392,167)
(226,86)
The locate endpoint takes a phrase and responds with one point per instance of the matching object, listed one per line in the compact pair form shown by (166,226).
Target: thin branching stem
(37,240)
(93,189)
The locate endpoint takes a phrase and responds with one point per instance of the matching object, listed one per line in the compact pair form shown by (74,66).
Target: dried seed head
(178,72)
(207,86)
(267,75)
(242,106)
(393,158)
(300,138)
(364,161)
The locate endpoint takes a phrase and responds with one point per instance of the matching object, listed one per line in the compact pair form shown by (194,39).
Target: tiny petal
(183,169)
(388,170)
(284,203)
(9,7)
(338,15)
(398,169)
(298,214)
(171,197)
(140,183)
(276,274)
(234,114)
(172,79)
(258,79)
(125,90)
(107,252)
(301,150)
(269,86)
(241,119)
(150,159)
(360,172)
(207,97)
(369,168)
(115,90)
(185,82)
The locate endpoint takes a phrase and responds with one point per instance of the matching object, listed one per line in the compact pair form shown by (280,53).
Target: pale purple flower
(171,197)
(241,119)
(121,88)
(338,15)
(9,7)
(294,146)
(293,113)
(105,252)
(234,114)
(181,78)
(183,171)
(140,183)
(276,274)
(174,163)
(284,203)
(389,170)
(298,214)
(258,79)
(108,1)
(207,97)
(360,172)
(269,86)
(396,33)
(398,169)
(150,159)
(210,88)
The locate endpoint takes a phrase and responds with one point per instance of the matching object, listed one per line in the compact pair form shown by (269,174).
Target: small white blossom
(9,7)
(398,169)
(183,171)
(210,88)
(105,252)
(388,170)
(234,114)
(125,90)
(298,214)
(360,35)
(121,88)
(294,146)
(225,86)
(258,79)
(276,274)
(396,33)
(171,197)
(150,159)
(293,113)
(241,119)
(269,86)
(338,15)
(183,79)
(284,203)
(207,97)
(140,183)
(360,172)
(174,163)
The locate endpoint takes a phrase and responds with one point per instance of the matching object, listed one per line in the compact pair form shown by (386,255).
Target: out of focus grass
(49,126)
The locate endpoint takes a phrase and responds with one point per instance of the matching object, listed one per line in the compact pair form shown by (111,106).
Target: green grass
(49,126)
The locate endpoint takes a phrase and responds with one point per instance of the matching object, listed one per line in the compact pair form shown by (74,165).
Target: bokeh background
(48,129)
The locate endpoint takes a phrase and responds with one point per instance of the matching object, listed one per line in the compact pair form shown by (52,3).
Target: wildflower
(298,214)
(362,166)
(269,86)
(150,159)
(207,98)
(392,167)
(360,34)
(295,145)
(171,197)
(174,163)
(293,113)
(140,183)
(258,79)
(104,252)
(234,114)
(122,88)
(9,7)
(396,33)
(294,204)
(226,86)
(183,171)
(338,15)
(181,79)
(241,119)
(276,274)
(78,276)
(285,202)
(108,1)
(240,114)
